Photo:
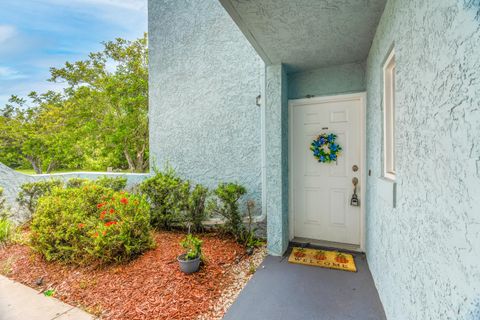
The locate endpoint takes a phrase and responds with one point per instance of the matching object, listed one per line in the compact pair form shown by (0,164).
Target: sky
(38,34)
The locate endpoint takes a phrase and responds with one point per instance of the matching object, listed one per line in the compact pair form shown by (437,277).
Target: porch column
(276,158)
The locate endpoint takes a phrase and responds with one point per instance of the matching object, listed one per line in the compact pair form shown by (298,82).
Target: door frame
(362,96)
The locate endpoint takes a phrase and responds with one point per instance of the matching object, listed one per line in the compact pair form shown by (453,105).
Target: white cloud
(130,15)
(6,32)
(130,5)
(7,73)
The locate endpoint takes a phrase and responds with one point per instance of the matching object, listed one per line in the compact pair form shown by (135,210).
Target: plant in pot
(190,260)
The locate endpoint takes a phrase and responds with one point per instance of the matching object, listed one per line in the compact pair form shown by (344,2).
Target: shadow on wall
(11,181)
(475,314)
(475,5)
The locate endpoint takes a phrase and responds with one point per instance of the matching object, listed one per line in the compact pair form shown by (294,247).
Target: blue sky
(38,34)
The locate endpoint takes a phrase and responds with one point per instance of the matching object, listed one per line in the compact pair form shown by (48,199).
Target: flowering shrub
(91,224)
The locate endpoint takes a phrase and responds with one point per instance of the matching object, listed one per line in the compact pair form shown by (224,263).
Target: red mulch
(150,287)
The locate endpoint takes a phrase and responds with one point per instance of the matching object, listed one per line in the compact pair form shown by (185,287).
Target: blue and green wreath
(324,148)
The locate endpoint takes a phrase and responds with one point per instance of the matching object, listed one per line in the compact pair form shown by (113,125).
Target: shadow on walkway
(281,290)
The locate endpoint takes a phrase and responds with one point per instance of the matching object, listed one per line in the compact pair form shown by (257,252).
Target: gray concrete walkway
(19,302)
(281,290)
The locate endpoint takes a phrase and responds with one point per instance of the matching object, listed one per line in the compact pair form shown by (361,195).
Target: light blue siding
(204,80)
(424,255)
(345,78)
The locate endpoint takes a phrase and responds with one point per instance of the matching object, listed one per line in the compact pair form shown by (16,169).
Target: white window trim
(389,161)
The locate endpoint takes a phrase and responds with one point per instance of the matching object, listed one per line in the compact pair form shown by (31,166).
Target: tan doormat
(323,258)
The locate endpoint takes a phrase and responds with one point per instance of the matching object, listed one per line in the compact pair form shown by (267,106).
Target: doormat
(323,258)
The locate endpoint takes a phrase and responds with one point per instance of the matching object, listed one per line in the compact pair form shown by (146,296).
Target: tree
(120,96)
(99,120)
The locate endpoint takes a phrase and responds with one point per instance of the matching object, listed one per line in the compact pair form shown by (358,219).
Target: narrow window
(389,117)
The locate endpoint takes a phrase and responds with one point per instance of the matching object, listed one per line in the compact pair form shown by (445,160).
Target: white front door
(321,192)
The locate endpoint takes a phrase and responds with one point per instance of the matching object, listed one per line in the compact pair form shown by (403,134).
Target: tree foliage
(99,120)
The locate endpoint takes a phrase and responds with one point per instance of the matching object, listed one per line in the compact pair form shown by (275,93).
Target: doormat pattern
(323,258)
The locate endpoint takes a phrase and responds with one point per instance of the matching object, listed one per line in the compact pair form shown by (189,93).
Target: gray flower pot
(188,266)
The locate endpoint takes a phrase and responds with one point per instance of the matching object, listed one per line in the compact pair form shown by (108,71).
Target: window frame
(389,82)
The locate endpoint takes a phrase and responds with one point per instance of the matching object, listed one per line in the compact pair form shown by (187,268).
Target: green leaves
(226,205)
(91,224)
(31,192)
(99,121)
(193,245)
(168,196)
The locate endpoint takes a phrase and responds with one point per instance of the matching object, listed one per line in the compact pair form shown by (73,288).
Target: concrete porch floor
(281,290)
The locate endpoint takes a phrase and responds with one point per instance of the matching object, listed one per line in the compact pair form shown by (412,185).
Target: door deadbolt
(355,181)
(355,168)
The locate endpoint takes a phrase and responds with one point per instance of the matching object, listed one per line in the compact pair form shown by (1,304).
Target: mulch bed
(150,287)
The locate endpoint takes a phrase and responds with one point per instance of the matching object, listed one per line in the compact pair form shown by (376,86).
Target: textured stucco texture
(308,34)
(346,78)
(425,254)
(276,170)
(204,80)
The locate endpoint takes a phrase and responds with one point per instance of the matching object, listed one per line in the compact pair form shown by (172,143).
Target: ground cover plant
(91,224)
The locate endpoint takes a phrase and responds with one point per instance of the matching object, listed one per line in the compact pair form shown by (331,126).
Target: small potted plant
(190,260)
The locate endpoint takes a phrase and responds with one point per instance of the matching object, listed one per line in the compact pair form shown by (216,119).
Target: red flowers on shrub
(108,224)
(102,215)
(124,201)
(81,225)
(100,205)
(112,211)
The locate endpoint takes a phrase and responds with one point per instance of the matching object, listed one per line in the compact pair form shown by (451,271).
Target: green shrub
(193,245)
(226,205)
(6,229)
(168,197)
(91,224)
(76,182)
(249,237)
(195,213)
(3,205)
(116,183)
(32,191)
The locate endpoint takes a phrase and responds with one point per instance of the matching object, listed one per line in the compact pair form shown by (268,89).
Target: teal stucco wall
(276,156)
(338,79)
(204,80)
(425,253)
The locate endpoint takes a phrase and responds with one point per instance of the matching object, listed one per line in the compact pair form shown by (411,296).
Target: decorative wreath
(324,148)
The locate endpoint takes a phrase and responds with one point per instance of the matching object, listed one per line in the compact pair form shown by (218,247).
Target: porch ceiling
(307,34)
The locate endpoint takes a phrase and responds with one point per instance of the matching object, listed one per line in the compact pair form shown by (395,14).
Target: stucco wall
(11,181)
(204,78)
(425,254)
(346,78)
(276,133)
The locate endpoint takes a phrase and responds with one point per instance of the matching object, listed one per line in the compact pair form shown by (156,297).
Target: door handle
(355,202)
